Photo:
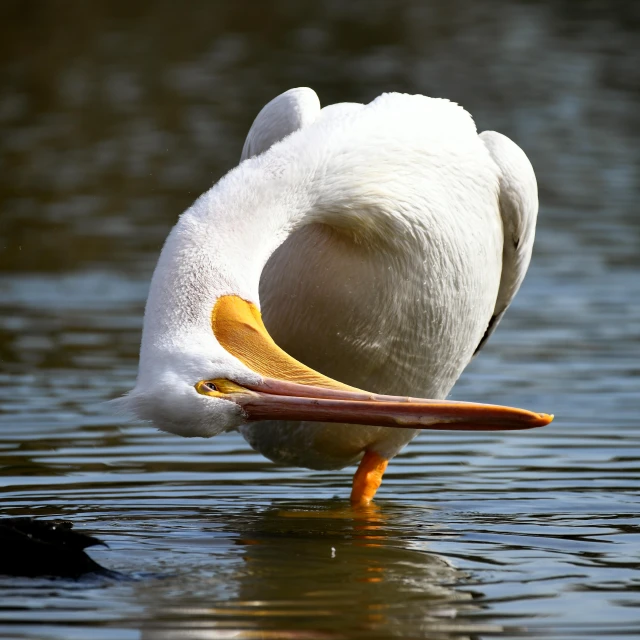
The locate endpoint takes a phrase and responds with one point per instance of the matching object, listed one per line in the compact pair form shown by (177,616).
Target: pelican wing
(518,201)
(285,114)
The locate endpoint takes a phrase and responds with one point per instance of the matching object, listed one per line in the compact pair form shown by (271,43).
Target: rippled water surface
(113,119)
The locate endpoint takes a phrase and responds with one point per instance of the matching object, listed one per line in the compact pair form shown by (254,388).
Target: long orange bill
(290,390)
(282,400)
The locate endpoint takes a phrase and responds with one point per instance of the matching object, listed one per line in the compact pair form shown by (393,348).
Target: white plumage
(381,242)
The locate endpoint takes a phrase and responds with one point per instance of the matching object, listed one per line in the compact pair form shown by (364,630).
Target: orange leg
(367,479)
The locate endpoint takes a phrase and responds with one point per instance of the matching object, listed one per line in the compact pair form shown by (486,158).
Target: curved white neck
(222,243)
(218,247)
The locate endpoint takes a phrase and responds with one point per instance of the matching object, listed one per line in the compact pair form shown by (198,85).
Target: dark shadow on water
(34,548)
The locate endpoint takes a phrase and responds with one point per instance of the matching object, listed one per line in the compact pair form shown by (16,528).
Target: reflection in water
(325,572)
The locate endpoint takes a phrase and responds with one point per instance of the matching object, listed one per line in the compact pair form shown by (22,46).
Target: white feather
(372,236)
(285,114)
(518,201)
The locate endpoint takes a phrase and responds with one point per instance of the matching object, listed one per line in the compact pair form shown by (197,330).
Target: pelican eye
(208,388)
(218,388)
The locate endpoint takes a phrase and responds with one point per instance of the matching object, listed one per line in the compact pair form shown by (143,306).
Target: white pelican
(380,244)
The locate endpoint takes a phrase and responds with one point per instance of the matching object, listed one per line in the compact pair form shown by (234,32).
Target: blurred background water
(114,116)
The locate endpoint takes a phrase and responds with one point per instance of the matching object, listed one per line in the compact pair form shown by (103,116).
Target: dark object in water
(32,548)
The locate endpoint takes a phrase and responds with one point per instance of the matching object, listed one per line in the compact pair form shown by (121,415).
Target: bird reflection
(331,572)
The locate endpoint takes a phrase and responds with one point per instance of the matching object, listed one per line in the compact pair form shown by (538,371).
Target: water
(108,135)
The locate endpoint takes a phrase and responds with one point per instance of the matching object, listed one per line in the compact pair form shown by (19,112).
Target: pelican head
(172,394)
